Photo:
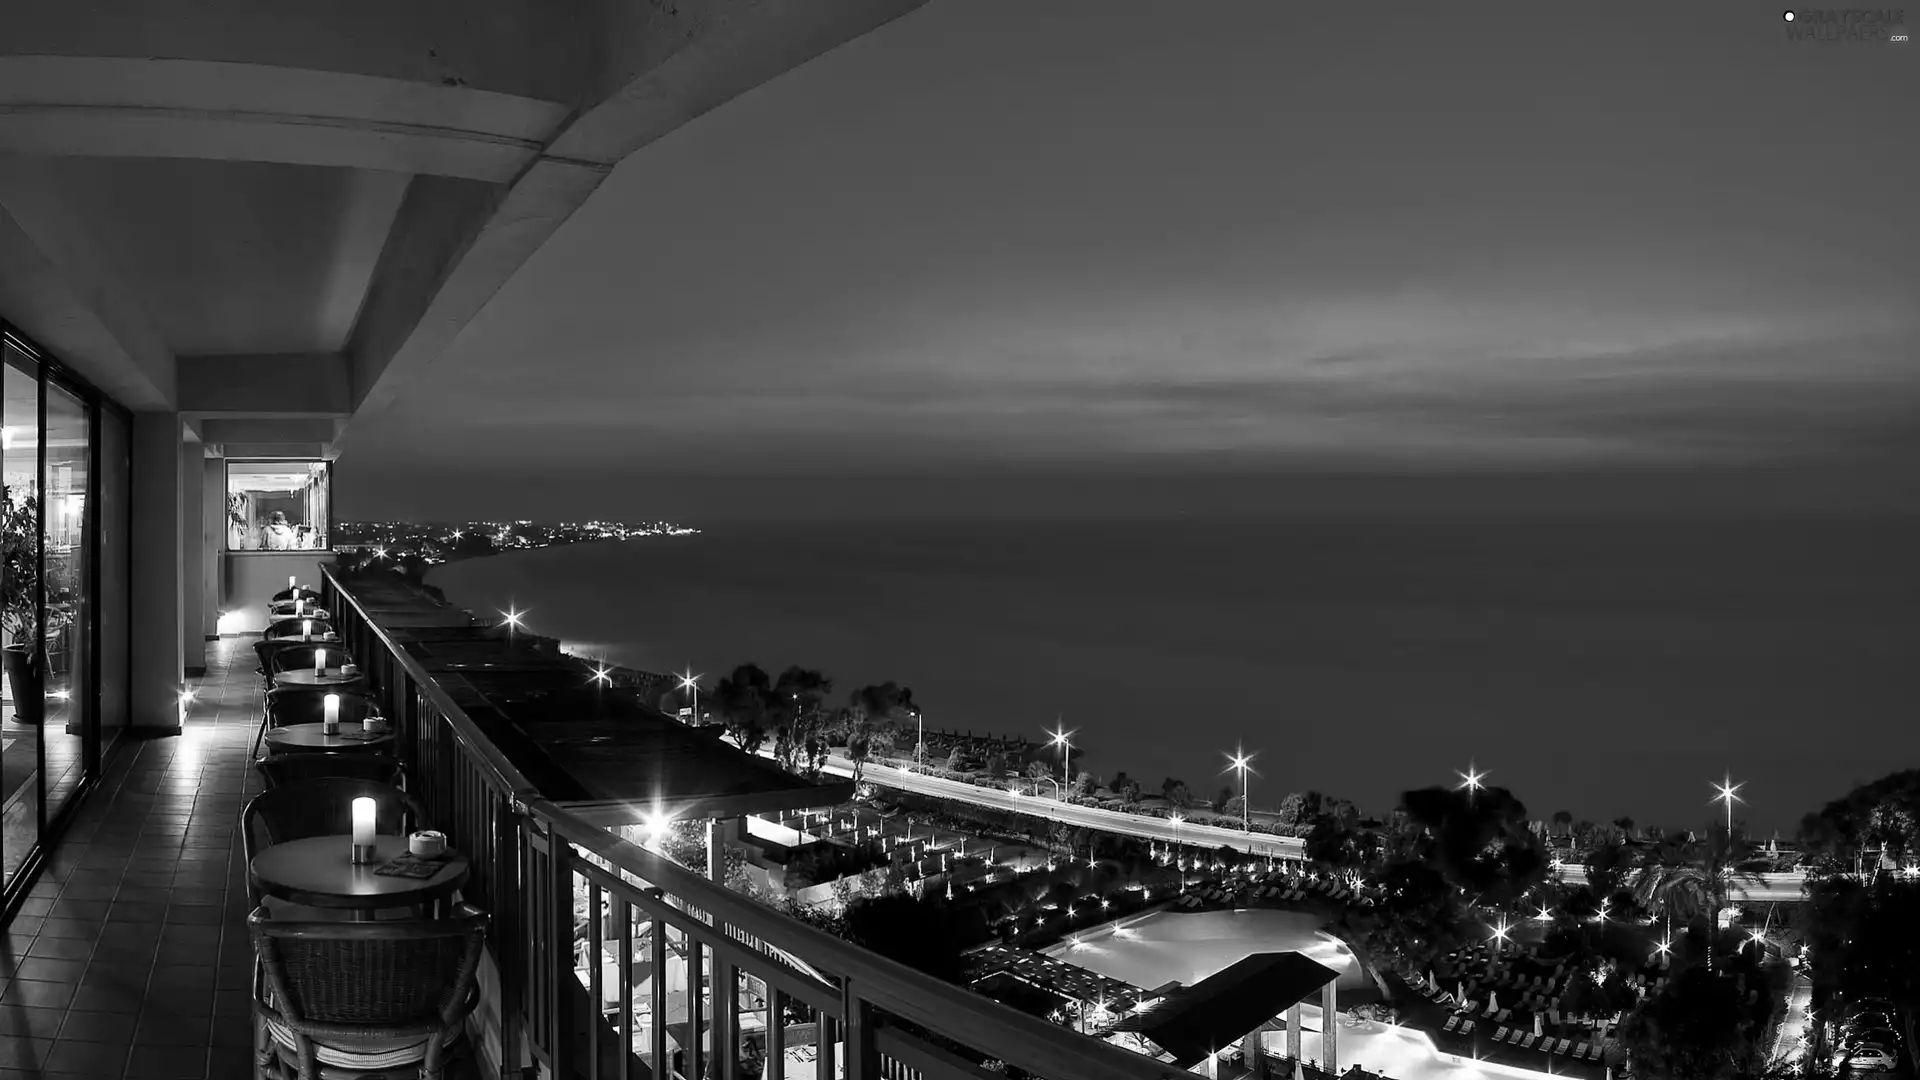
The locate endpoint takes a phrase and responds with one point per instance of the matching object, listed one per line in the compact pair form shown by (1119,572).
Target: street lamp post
(1242,761)
(1724,792)
(513,622)
(690,681)
(920,739)
(1060,739)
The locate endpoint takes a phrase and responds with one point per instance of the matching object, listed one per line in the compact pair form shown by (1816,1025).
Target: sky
(1006,258)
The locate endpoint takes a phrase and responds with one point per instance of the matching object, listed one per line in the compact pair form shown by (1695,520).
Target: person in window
(278,535)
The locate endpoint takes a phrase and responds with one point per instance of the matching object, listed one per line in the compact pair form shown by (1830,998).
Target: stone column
(193,566)
(1293,1032)
(157,661)
(720,833)
(1330,1028)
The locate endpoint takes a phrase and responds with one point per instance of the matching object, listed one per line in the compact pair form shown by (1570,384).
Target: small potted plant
(25,651)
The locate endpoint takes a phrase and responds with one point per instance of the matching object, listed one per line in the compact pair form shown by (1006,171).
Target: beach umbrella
(1460,991)
(1433,981)
(1493,1002)
(1299,1072)
(1538,1028)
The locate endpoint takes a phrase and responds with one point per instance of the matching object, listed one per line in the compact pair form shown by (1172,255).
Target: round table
(311,737)
(306,677)
(319,872)
(298,639)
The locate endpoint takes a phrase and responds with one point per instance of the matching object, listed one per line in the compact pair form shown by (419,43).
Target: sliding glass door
(55,684)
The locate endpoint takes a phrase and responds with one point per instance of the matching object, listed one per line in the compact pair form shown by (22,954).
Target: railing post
(559,932)
(863,1060)
(696,1006)
(657,1032)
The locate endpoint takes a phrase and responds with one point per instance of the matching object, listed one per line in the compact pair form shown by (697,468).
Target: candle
(363,810)
(299,606)
(290,583)
(306,629)
(330,717)
(319,661)
(371,724)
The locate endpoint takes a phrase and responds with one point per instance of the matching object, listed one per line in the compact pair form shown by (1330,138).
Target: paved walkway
(130,957)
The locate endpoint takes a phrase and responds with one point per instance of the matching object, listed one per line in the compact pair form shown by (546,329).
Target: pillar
(213,539)
(720,833)
(1293,1032)
(1250,1053)
(1330,1028)
(724,985)
(193,566)
(158,660)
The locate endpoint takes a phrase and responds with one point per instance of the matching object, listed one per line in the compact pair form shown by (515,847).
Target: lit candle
(290,583)
(330,717)
(306,629)
(371,724)
(299,606)
(319,661)
(363,810)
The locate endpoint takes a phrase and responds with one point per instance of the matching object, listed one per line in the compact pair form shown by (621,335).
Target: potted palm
(24,653)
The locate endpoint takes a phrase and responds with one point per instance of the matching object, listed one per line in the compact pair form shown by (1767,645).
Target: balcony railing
(730,966)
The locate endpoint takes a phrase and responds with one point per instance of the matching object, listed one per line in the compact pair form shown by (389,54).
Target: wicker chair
(322,807)
(301,593)
(286,770)
(365,997)
(283,628)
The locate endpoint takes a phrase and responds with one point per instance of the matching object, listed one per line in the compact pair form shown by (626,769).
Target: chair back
(301,655)
(284,628)
(324,807)
(300,593)
(286,770)
(403,978)
(308,705)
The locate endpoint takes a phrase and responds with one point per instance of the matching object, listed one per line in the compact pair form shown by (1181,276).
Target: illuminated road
(1771,888)
(1775,888)
(1086,817)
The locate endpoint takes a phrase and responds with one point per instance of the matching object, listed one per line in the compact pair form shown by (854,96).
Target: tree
(1608,867)
(1625,825)
(1233,806)
(1128,789)
(1038,770)
(1083,784)
(1700,1027)
(1221,797)
(1562,822)
(1480,842)
(1884,814)
(741,700)
(957,760)
(793,710)
(1176,793)
(1690,879)
(1299,808)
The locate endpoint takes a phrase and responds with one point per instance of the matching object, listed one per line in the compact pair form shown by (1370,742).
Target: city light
(1060,739)
(690,681)
(603,675)
(1725,792)
(1471,780)
(1242,762)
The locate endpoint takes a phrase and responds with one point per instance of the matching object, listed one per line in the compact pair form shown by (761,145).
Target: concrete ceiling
(279,216)
(226,257)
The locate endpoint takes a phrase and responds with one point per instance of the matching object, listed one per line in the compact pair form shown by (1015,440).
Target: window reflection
(19,612)
(277,505)
(69,604)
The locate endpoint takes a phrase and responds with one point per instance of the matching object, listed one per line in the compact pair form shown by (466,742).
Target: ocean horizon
(1607,668)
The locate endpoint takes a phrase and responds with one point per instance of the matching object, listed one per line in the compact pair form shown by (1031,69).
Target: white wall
(158,661)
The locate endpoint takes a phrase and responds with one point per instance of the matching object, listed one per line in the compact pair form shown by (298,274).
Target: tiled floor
(131,957)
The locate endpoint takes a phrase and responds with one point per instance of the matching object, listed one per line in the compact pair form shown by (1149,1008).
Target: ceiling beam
(313,451)
(456,244)
(99,106)
(228,431)
(55,290)
(274,385)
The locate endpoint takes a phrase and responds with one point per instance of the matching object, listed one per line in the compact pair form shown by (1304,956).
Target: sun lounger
(1518,1034)
(1501,1035)
(1503,1015)
(1453,1023)
(1580,1051)
(1562,1048)
(1467,1028)
(1470,1008)
(1527,1042)
(1596,1053)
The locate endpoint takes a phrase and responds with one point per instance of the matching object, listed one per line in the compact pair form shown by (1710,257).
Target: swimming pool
(1153,949)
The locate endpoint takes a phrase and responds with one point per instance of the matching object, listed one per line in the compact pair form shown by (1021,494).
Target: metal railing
(733,980)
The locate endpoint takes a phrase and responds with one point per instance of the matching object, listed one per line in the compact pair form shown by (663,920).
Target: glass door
(20,688)
(67,732)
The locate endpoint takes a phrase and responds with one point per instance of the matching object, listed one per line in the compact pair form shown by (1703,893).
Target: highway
(1771,888)
(1163,830)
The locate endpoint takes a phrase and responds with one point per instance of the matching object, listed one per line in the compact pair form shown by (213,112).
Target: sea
(1607,668)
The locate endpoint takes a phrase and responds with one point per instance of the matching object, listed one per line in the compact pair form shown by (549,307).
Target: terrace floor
(130,957)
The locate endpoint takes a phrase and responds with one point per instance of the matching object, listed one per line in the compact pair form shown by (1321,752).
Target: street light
(1724,792)
(1060,735)
(512,615)
(1243,762)
(1471,780)
(690,681)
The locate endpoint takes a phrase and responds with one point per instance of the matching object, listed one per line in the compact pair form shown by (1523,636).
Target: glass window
(20,614)
(67,517)
(278,505)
